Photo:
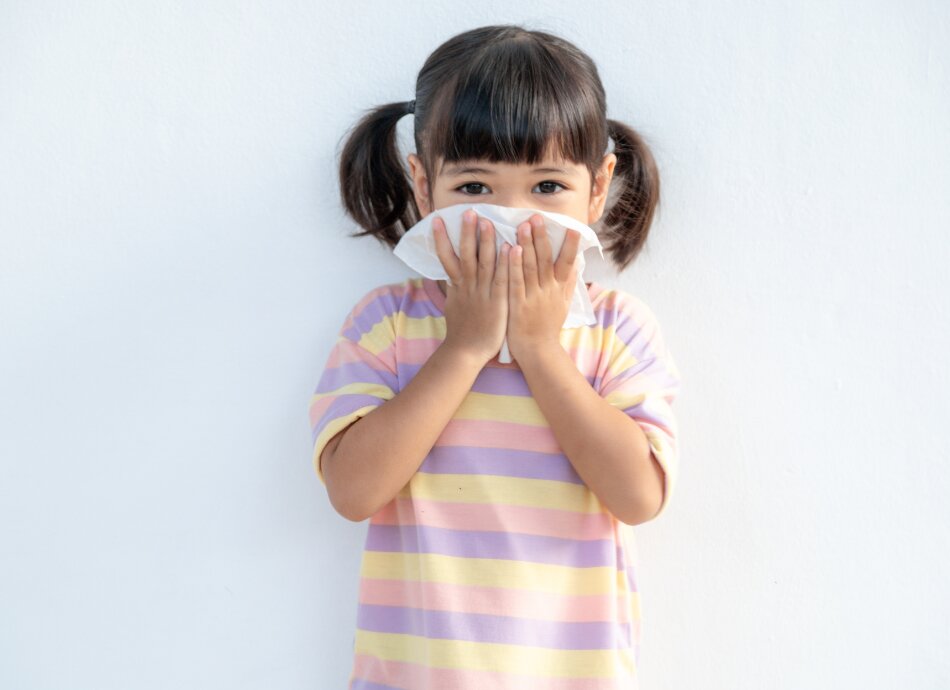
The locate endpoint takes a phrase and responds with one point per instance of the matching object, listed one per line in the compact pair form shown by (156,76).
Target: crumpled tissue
(417,249)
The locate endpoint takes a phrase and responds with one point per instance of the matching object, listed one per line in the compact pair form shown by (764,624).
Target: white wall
(174,266)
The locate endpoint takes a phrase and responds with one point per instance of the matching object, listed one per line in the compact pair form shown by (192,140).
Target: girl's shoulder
(388,300)
(633,327)
(615,305)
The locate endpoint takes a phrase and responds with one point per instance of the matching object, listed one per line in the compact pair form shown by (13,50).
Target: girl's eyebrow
(458,170)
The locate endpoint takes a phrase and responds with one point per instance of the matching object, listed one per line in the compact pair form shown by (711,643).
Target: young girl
(500,496)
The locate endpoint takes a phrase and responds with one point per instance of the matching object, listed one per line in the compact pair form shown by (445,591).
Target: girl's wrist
(464,355)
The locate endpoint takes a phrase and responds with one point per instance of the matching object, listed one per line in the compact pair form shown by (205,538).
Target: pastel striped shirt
(496,567)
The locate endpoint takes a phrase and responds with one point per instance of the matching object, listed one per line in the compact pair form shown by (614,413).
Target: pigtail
(374,186)
(627,222)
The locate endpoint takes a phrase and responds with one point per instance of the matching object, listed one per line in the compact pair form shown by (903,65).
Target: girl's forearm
(368,467)
(609,451)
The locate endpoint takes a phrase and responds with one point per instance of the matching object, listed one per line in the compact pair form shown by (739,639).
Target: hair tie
(411,106)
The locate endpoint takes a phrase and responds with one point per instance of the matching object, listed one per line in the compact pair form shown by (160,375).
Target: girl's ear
(600,186)
(420,185)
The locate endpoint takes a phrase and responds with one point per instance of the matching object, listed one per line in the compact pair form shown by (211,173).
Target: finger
(516,289)
(486,255)
(500,283)
(443,249)
(570,284)
(568,255)
(543,251)
(528,261)
(467,247)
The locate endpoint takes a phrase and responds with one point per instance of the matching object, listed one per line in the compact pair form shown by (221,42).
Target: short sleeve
(643,380)
(360,373)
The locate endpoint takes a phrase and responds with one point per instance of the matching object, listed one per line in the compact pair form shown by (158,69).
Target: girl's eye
(471,184)
(550,187)
(549,182)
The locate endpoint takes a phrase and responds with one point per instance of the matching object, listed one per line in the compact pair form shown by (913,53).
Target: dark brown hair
(504,94)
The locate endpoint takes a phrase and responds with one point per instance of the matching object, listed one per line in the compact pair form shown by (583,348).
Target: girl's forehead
(552,164)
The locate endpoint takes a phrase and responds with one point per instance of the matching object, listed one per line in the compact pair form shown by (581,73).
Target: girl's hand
(476,304)
(539,290)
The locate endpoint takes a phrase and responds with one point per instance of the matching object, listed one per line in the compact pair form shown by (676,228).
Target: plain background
(174,267)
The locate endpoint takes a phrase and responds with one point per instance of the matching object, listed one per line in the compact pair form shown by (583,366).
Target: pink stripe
(406,675)
(497,517)
(318,408)
(344,353)
(493,434)
(415,351)
(587,358)
(416,291)
(496,601)
(341,354)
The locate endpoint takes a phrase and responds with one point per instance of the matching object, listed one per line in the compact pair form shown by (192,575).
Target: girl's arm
(365,469)
(608,449)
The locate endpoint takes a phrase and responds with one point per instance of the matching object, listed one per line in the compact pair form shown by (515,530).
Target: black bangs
(510,103)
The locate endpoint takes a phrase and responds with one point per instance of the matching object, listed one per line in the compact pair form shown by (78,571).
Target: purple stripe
(342,406)
(643,413)
(422,308)
(380,308)
(481,627)
(639,337)
(639,342)
(513,546)
(355,372)
(363,684)
(651,376)
(653,379)
(503,462)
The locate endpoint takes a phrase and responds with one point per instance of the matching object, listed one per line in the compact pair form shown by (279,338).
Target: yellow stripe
(620,358)
(379,337)
(492,572)
(357,388)
(623,400)
(496,489)
(515,409)
(493,656)
(635,613)
(420,327)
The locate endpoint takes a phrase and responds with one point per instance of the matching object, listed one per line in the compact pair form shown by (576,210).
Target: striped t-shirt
(496,566)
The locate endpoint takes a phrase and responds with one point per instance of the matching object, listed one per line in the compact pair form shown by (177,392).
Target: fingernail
(470,215)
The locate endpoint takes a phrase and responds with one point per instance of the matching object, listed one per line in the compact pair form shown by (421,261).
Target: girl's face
(551,185)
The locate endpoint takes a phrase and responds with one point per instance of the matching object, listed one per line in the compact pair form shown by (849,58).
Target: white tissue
(417,249)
